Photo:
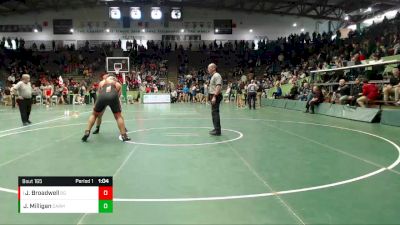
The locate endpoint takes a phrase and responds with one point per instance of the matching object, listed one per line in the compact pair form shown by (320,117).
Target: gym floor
(270,166)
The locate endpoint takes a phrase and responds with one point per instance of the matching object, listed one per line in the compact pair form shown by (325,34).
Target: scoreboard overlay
(65,194)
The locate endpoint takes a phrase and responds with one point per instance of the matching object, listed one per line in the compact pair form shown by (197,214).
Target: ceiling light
(156,13)
(115,13)
(136,14)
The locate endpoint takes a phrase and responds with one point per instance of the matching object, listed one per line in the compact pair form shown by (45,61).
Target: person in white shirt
(216,98)
(244,78)
(252,94)
(24,100)
(174,96)
(11,78)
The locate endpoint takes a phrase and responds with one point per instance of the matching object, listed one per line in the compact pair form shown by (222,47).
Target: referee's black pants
(252,99)
(215,112)
(93,96)
(13,100)
(25,106)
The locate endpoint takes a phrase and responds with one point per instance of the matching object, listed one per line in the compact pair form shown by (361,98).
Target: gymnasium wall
(91,23)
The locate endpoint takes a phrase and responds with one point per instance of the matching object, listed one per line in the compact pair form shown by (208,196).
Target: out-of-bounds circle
(239,136)
(246,196)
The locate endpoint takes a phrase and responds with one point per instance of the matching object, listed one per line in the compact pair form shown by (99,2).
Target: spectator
(294,91)
(370,93)
(317,98)
(278,92)
(229,91)
(240,96)
(174,96)
(48,92)
(205,86)
(155,88)
(148,89)
(343,92)
(58,92)
(305,92)
(393,88)
(82,94)
(259,93)
(7,98)
(356,91)
(64,94)
(92,93)
(35,92)
(11,79)
(185,92)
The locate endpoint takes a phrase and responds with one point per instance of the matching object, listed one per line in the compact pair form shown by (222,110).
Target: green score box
(105,206)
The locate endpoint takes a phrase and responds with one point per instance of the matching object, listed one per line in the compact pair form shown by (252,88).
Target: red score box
(105,193)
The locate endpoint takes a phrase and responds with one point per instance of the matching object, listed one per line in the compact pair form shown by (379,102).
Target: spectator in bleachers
(174,96)
(205,87)
(6,96)
(82,93)
(278,92)
(370,93)
(58,92)
(185,93)
(294,91)
(317,98)
(64,94)
(35,92)
(11,79)
(343,92)
(396,47)
(260,91)
(356,91)
(193,93)
(305,92)
(48,91)
(155,88)
(148,89)
(393,88)
(93,92)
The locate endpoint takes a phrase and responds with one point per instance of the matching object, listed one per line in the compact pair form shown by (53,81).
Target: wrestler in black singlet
(108,96)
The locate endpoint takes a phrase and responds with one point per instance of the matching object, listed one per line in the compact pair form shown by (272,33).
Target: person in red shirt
(95,85)
(120,79)
(148,89)
(370,93)
(362,57)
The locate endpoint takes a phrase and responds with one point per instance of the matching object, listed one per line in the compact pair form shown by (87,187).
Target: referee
(215,98)
(252,94)
(24,100)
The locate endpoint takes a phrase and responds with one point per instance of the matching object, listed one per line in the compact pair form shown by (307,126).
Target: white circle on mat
(239,136)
